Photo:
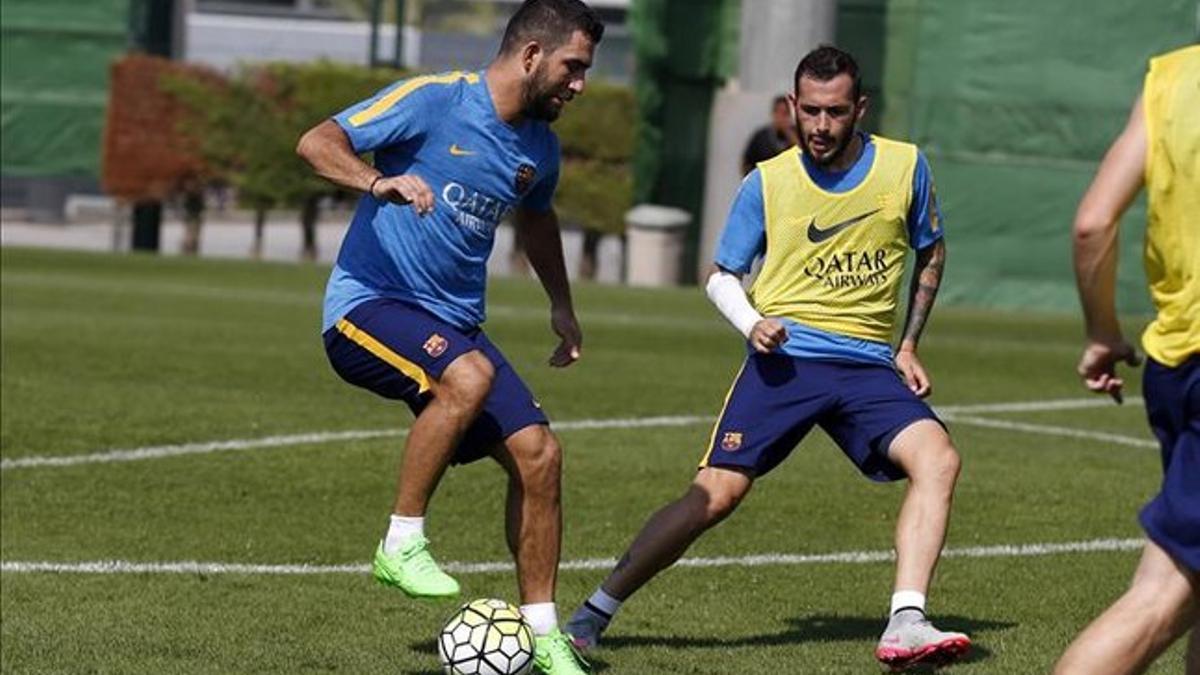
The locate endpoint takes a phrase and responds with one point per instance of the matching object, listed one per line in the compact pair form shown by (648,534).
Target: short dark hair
(827,62)
(778,101)
(551,23)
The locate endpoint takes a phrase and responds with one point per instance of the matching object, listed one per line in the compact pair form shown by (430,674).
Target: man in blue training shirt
(833,221)
(454,155)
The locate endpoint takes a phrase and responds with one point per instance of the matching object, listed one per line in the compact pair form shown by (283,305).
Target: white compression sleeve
(726,292)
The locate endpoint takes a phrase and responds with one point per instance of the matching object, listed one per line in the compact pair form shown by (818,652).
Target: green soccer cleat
(412,570)
(554,655)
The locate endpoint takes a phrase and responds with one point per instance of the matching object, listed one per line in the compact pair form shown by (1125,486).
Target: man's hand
(1098,366)
(766,335)
(569,349)
(914,373)
(406,189)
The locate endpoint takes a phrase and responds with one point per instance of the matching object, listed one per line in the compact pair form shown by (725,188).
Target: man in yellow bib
(1160,149)
(833,221)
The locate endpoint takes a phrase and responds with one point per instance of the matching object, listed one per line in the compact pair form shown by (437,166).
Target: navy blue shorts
(776,400)
(396,349)
(1172,518)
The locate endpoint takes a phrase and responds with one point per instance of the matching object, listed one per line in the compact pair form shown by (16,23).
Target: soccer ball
(486,637)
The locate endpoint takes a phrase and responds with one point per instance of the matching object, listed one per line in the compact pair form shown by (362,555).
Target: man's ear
(860,109)
(531,55)
(793,100)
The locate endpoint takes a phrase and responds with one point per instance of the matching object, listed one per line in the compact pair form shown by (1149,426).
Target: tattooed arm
(927,277)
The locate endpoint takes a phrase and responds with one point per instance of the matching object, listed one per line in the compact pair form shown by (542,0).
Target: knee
(1156,608)
(949,465)
(939,465)
(719,502)
(539,461)
(1163,595)
(720,506)
(467,381)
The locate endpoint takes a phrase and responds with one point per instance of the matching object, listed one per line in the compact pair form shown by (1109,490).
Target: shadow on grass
(813,628)
(429,647)
(800,630)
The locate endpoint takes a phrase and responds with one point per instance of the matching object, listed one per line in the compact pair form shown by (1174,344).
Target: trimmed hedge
(595,186)
(143,157)
(246,128)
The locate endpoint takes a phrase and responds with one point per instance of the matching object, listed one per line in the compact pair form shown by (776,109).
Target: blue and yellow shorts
(1172,518)
(776,400)
(397,349)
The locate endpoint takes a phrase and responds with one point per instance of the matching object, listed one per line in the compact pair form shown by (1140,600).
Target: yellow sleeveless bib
(835,261)
(1171,100)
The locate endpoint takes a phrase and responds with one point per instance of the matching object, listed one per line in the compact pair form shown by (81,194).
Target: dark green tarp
(54,59)
(1015,103)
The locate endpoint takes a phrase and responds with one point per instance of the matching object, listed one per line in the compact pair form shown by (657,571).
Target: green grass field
(106,353)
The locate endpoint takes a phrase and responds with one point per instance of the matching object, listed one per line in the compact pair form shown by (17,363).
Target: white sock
(541,616)
(603,604)
(908,600)
(401,528)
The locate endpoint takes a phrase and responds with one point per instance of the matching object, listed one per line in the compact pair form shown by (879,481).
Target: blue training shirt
(443,128)
(744,240)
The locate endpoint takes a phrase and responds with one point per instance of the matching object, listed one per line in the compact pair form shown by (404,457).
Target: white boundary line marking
(161,451)
(1049,430)
(771,559)
(1035,406)
(951,413)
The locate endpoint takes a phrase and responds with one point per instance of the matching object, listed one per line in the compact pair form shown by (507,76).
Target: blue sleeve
(745,234)
(395,114)
(540,196)
(924,215)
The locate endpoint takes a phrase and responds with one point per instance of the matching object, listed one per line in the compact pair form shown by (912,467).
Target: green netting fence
(1015,103)
(54,59)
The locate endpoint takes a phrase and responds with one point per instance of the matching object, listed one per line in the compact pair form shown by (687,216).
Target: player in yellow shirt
(1159,149)
(833,221)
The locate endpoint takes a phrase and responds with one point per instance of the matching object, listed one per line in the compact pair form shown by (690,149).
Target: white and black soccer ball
(486,637)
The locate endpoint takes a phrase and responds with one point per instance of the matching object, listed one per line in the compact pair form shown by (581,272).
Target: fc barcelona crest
(731,441)
(525,175)
(435,345)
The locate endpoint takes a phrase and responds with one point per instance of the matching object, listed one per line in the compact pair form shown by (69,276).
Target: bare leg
(713,495)
(1159,607)
(533,459)
(457,399)
(926,454)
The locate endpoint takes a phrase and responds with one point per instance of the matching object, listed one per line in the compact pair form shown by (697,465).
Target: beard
(538,101)
(839,146)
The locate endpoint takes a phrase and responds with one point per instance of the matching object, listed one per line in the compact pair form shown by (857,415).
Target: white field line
(1036,406)
(1050,430)
(950,413)
(161,451)
(771,559)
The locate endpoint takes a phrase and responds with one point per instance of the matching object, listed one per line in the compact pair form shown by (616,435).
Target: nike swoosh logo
(459,152)
(817,236)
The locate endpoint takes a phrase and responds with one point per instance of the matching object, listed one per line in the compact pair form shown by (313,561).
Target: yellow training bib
(1171,100)
(834,261)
